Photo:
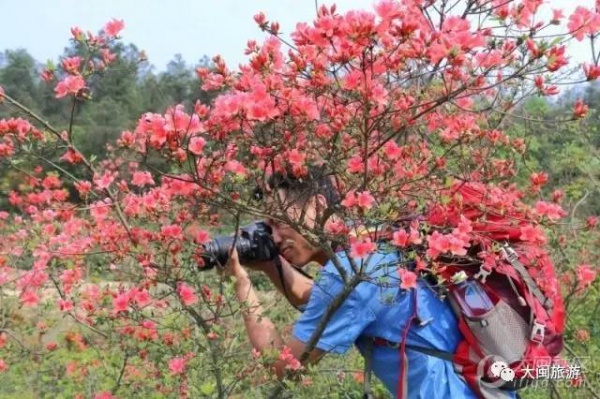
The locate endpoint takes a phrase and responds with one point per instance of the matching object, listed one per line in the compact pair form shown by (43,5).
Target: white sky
(193,28)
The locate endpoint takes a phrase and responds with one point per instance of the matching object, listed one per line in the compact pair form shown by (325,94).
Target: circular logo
(495,370)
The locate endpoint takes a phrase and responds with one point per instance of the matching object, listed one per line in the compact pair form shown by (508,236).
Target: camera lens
(216,252)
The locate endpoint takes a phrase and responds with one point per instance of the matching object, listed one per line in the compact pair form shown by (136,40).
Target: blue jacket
(378,307)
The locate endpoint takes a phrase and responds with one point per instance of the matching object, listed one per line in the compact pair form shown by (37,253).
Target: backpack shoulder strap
(433,352)
(449,356)
(368,371)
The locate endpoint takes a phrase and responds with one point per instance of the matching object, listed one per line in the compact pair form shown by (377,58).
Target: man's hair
(318,180)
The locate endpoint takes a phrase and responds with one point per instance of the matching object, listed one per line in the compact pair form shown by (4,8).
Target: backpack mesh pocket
(501,332)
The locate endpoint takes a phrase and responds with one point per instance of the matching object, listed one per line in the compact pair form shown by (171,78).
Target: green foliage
(565,149)
(18,77)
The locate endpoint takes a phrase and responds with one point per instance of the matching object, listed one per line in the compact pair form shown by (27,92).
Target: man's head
(301,201)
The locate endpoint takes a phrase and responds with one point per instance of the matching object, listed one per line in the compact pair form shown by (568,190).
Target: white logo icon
(500,369)
(497,368)
(507,374)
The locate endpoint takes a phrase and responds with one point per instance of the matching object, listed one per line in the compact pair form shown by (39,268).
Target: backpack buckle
(508,253)
(483,273)
(378,341)
(538,331)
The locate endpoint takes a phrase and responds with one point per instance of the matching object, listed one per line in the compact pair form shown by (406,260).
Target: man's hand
(261,266)
(261,330)
(233,267)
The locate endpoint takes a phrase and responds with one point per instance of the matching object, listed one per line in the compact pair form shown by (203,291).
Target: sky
(163,28)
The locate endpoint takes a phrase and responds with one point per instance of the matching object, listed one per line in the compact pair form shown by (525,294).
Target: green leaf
(208,388)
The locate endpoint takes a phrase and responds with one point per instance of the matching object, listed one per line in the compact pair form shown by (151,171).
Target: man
(376,307)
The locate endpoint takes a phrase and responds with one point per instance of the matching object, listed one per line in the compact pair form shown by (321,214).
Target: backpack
(522,325)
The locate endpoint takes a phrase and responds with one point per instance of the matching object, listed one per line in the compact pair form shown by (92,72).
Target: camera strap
(279,267)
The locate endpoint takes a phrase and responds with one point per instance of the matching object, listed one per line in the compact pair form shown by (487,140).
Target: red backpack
(522,326)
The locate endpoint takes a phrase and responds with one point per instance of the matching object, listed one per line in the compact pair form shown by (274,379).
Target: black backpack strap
(433,352)
(371,341)
(279,267)
(427,351)
(367,393)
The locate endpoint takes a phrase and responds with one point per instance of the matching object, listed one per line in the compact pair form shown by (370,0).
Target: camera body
(254,243)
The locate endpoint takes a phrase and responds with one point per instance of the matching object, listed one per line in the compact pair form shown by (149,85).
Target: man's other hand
(261,266)
(233,267)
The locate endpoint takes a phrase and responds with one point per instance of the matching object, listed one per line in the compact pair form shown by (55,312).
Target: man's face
(291,244)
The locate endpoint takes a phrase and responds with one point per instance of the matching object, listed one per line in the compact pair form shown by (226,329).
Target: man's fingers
(233,255)
(259,265)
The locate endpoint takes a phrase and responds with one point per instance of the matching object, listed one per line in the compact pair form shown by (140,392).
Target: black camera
(254,243)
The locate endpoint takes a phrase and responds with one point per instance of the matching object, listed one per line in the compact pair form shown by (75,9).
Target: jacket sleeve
(344,325)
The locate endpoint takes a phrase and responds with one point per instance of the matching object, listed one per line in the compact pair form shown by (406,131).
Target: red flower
(141,179)
(556,58)
(113,27)
(291,362)
(532,234)
(585,276)
(260,18)
(582,22)
(350,199)
(579,109)
(177,365)
(187,294)
(69,85)
(592,72)
(356,164)
(30,298)
(71,64)
(72,156)
(365,200)
(121,303)
(551,211)
(409,279)
(196,145)
(360,249)
(582,335)
(539,179)
(400,238)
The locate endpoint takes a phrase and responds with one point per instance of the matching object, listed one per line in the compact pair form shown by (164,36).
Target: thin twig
(32,114)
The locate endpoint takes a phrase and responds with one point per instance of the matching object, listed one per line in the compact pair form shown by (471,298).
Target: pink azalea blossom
(113,27)
(585,276)
(65,305)
(365,200)
(400,238)
(141,179)
(361,249)
(30,298)
(583,22)
(196,145)
(533,234)
(69,85)
(121,303)
(177,365)
(408,278)
(292,363)
(187,294)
